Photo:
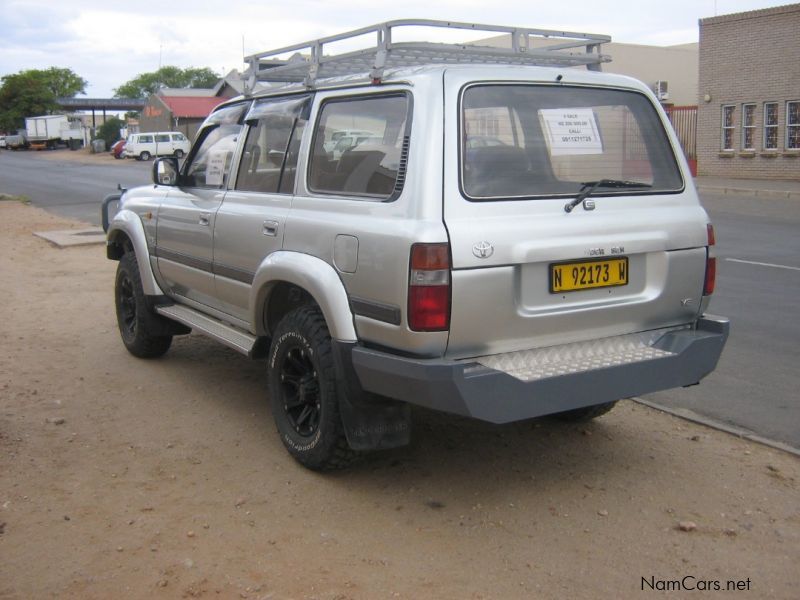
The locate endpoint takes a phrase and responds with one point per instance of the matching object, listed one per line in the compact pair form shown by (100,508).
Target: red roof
(191,106)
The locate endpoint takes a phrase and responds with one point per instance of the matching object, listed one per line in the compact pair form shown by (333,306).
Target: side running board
(231,336)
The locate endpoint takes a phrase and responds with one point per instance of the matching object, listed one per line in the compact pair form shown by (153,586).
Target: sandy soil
(123,478)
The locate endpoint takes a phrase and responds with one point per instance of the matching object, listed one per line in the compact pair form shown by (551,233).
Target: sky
(109,42)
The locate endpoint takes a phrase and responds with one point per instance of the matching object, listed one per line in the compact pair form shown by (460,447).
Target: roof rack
(309,61)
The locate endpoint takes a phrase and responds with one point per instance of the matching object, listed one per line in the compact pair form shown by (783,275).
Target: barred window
(770,125)
(748,126)
(793,125)
(727,127)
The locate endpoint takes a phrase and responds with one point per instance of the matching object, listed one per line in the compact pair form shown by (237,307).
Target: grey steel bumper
(472,389)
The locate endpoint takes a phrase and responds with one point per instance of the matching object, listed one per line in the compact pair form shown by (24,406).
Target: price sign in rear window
(571,131)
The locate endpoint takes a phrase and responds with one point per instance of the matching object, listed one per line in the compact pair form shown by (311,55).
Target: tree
(64,83)
(34,92)
(145,84)
(109,131)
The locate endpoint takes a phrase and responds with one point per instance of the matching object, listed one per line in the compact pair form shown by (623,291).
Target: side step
(231,336)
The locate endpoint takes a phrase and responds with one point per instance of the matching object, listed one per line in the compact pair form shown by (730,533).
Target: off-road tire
(587,413)
(144,155)
(303,392)
(135,319)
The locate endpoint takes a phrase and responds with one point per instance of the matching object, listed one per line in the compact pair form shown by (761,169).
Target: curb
(782,194)
(73,237)
(689,415)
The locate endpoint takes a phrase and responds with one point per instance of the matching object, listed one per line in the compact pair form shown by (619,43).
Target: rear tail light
(429,287)
(711,263)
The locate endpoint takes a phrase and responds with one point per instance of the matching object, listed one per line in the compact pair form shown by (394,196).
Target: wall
(748,57)
(155,116)
(674,64)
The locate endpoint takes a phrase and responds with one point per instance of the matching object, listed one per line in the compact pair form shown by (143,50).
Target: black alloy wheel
(303,389)
(126,306)
(300,391)
(139,327)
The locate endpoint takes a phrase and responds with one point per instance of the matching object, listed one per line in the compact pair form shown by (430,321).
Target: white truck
(47,131)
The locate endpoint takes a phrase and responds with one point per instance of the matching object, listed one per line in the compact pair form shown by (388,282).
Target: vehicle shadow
(542,452)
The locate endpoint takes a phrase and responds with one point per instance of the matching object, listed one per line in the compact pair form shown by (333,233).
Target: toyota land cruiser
(508,240)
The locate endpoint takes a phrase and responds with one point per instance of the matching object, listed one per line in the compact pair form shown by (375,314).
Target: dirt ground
(124,478)
(83,156)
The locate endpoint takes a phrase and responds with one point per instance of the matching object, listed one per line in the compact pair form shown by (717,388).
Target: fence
(684,121)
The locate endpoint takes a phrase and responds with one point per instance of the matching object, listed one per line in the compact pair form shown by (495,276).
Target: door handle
(204,219)
(270,228)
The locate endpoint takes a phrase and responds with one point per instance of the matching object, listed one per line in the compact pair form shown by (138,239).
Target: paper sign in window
(215,170)
(571,131)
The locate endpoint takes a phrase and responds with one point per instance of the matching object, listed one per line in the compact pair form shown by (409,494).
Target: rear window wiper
(588,188)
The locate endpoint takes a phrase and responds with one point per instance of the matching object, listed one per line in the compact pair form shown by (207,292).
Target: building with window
(748,122)
(185,109)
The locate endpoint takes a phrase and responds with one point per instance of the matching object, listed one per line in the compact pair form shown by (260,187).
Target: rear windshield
(525,141)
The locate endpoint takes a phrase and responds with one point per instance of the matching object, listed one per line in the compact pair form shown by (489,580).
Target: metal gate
(684,121)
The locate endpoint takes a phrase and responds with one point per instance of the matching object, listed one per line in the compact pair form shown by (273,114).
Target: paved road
(758,286)
(67,187)
(756,384)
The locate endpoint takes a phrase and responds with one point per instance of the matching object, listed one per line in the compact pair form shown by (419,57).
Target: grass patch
(11,198)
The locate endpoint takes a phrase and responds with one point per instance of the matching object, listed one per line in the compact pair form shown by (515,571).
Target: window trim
(406,135)
(647,192)
(252,124)
(786,146)
(732,127)
(745,127)
(765,126)
(208,125)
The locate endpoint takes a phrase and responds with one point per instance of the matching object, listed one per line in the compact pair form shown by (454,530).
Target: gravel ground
(123,478)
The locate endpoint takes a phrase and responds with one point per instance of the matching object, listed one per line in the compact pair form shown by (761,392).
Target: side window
(211,163)
(269,160)
(727,127)
(770,125)
(178,137)
(162,138)
(361,146)
(145,139)
(792,125)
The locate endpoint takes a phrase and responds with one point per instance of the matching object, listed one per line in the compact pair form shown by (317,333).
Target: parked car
(118,148)
(16,142)
(143,146)
(555,273)
(331,142)
(2,141)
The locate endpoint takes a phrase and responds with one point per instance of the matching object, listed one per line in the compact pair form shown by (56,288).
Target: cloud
(111,42)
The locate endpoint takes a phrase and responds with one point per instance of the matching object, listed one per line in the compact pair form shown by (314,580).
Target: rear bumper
(472,389)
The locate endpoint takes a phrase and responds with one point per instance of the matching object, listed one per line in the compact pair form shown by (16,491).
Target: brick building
(184,113)
(185,109)
(748,122)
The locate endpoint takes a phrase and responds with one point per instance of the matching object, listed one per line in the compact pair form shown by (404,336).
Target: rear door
(250,223)
(528,273)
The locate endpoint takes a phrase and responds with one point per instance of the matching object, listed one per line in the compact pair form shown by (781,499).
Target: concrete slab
(73,237)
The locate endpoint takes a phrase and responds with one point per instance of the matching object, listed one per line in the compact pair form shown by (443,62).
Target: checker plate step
(541,363)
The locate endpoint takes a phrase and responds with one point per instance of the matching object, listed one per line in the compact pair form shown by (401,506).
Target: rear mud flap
(371,422)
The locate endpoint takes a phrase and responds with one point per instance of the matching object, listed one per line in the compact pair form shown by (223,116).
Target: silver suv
(507,241)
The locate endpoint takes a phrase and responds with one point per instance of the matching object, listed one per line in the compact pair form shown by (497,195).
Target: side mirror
(165,171)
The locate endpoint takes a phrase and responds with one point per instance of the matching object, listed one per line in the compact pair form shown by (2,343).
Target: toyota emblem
(483,249)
